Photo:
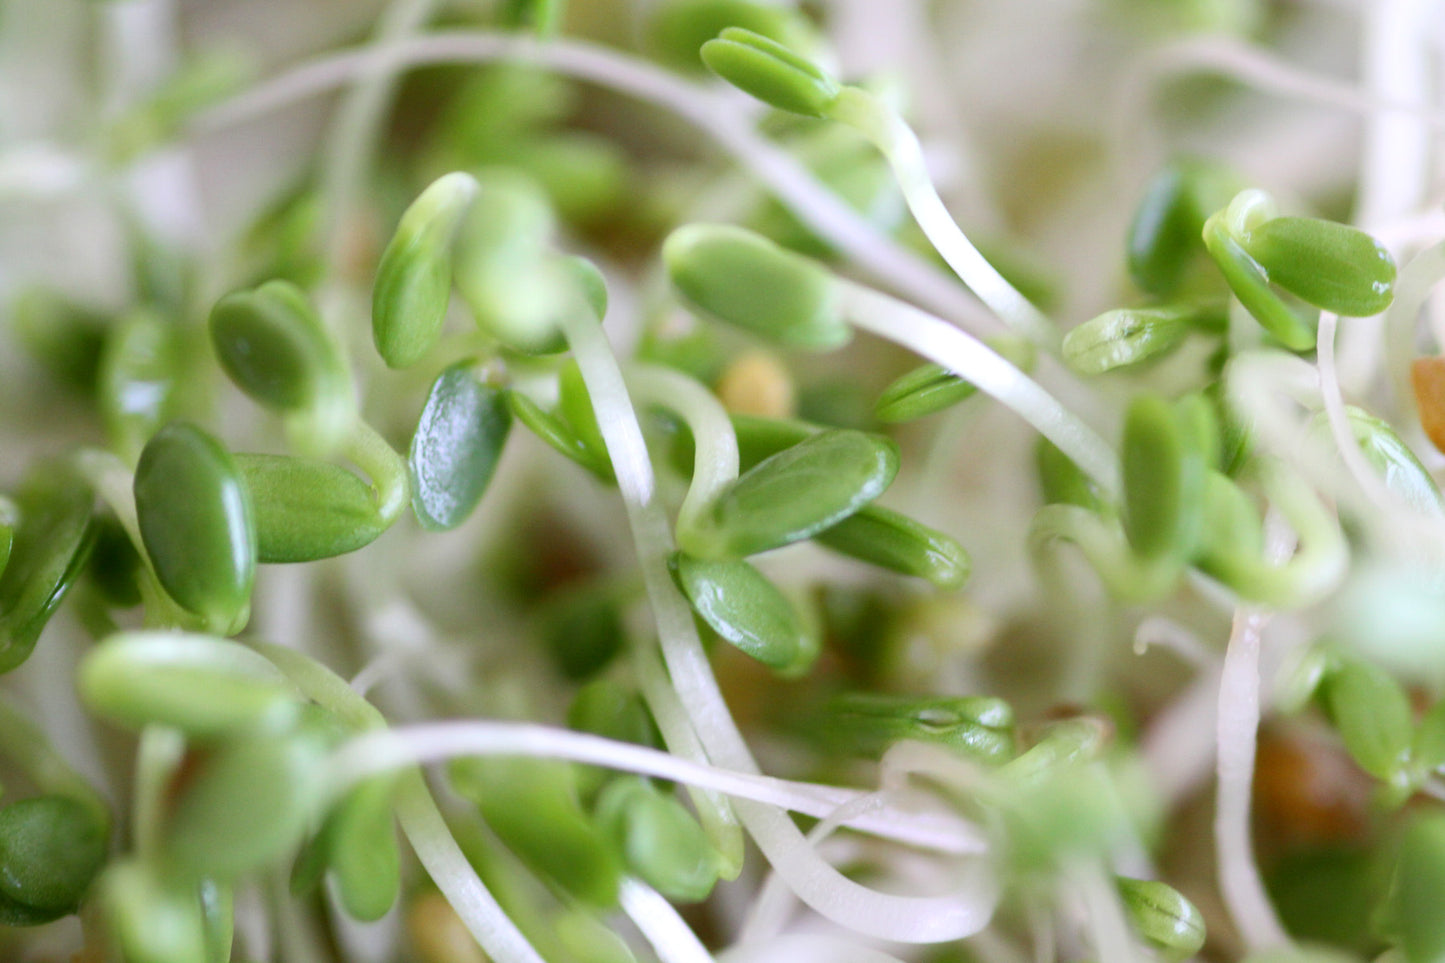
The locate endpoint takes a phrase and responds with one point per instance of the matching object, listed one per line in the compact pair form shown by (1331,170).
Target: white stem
(971,359)
(881,124)
(670,936)
(385,750)
(1237,729)
(1412,290)
(815,205)
(1334,403)
(902,918)
(715,444)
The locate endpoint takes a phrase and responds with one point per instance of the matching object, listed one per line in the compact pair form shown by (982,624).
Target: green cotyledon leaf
(743,608)
(1333,266)
(196,521)
(53,531)
(455,449)
(414,278)
(1162,917)
(307,509)
(51,848)
(771,72)
(202,685)
(272,344)
(896,542)
(745,280)
(794,494)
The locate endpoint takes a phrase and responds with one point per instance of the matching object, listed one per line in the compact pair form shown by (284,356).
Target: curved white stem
(670,936)
(816,206)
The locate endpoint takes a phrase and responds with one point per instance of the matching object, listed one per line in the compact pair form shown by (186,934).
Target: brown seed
(1428,377)
(438,933)
(757,383)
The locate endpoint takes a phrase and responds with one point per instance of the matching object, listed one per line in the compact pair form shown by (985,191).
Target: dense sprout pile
(592,482)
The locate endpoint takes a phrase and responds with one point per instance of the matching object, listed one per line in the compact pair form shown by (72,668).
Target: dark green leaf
(795,494)
(196,521)
(51,847)
(50,546)
(1164,236)
(1163,473)
(364,858)
(456,447)
(274,347)
(743,608)
(898,543)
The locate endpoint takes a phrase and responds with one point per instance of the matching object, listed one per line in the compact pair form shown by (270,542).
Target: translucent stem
(387,470)
(906,919)
(1128,578)
(881,124)
(386,750)
(971,359)
(715,444)
(1412,290)
(1237,729)
(811,202)
(1334,405)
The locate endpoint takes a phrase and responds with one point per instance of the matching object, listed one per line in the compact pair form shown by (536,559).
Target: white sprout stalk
(811,202)
(971,359)
(881,124)
(385,750)
(1237,729)
(715,444)
(421,821)
(1108,930)
(903,918)
(1334,405)
(655,917)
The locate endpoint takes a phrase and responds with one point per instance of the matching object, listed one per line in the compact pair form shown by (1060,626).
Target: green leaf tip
(743,608)
(1168,922)
(307,509)
(272,344)
(456,446)
(771,72)
(746,280)
(794,494)
(894,541)
(197,524)
(414,278)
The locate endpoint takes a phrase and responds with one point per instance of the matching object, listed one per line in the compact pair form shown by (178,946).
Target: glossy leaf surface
(455,449)
(307,509)
(896,542)
(770,72)
(743,608)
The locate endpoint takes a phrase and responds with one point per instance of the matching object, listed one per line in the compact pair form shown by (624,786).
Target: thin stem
(670,936)
(388,471)
(1412,289)
(882,125)
(1237,729)
(1128,578)
(811,202)
(971,359)
(382,751)
(1334,404)
(715,444)
(907,919)
(420,819)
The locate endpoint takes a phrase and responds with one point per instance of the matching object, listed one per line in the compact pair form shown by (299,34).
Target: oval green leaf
(195,519)
(770,72)
(660,840)
(795,494)
(455,449)
(1333,266)
(51,848)
(677,29)
(1163,474)
(140,369)
(1372,713)
(272,344)
(1124,337)
(48,552)
(1250,283)
(742,279)
(414,278)
(896,542)
(202,685)
(361,844)
(557,434)
(743,608)
(307,509)
(1162,917)
(1419,889)
(980,727)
